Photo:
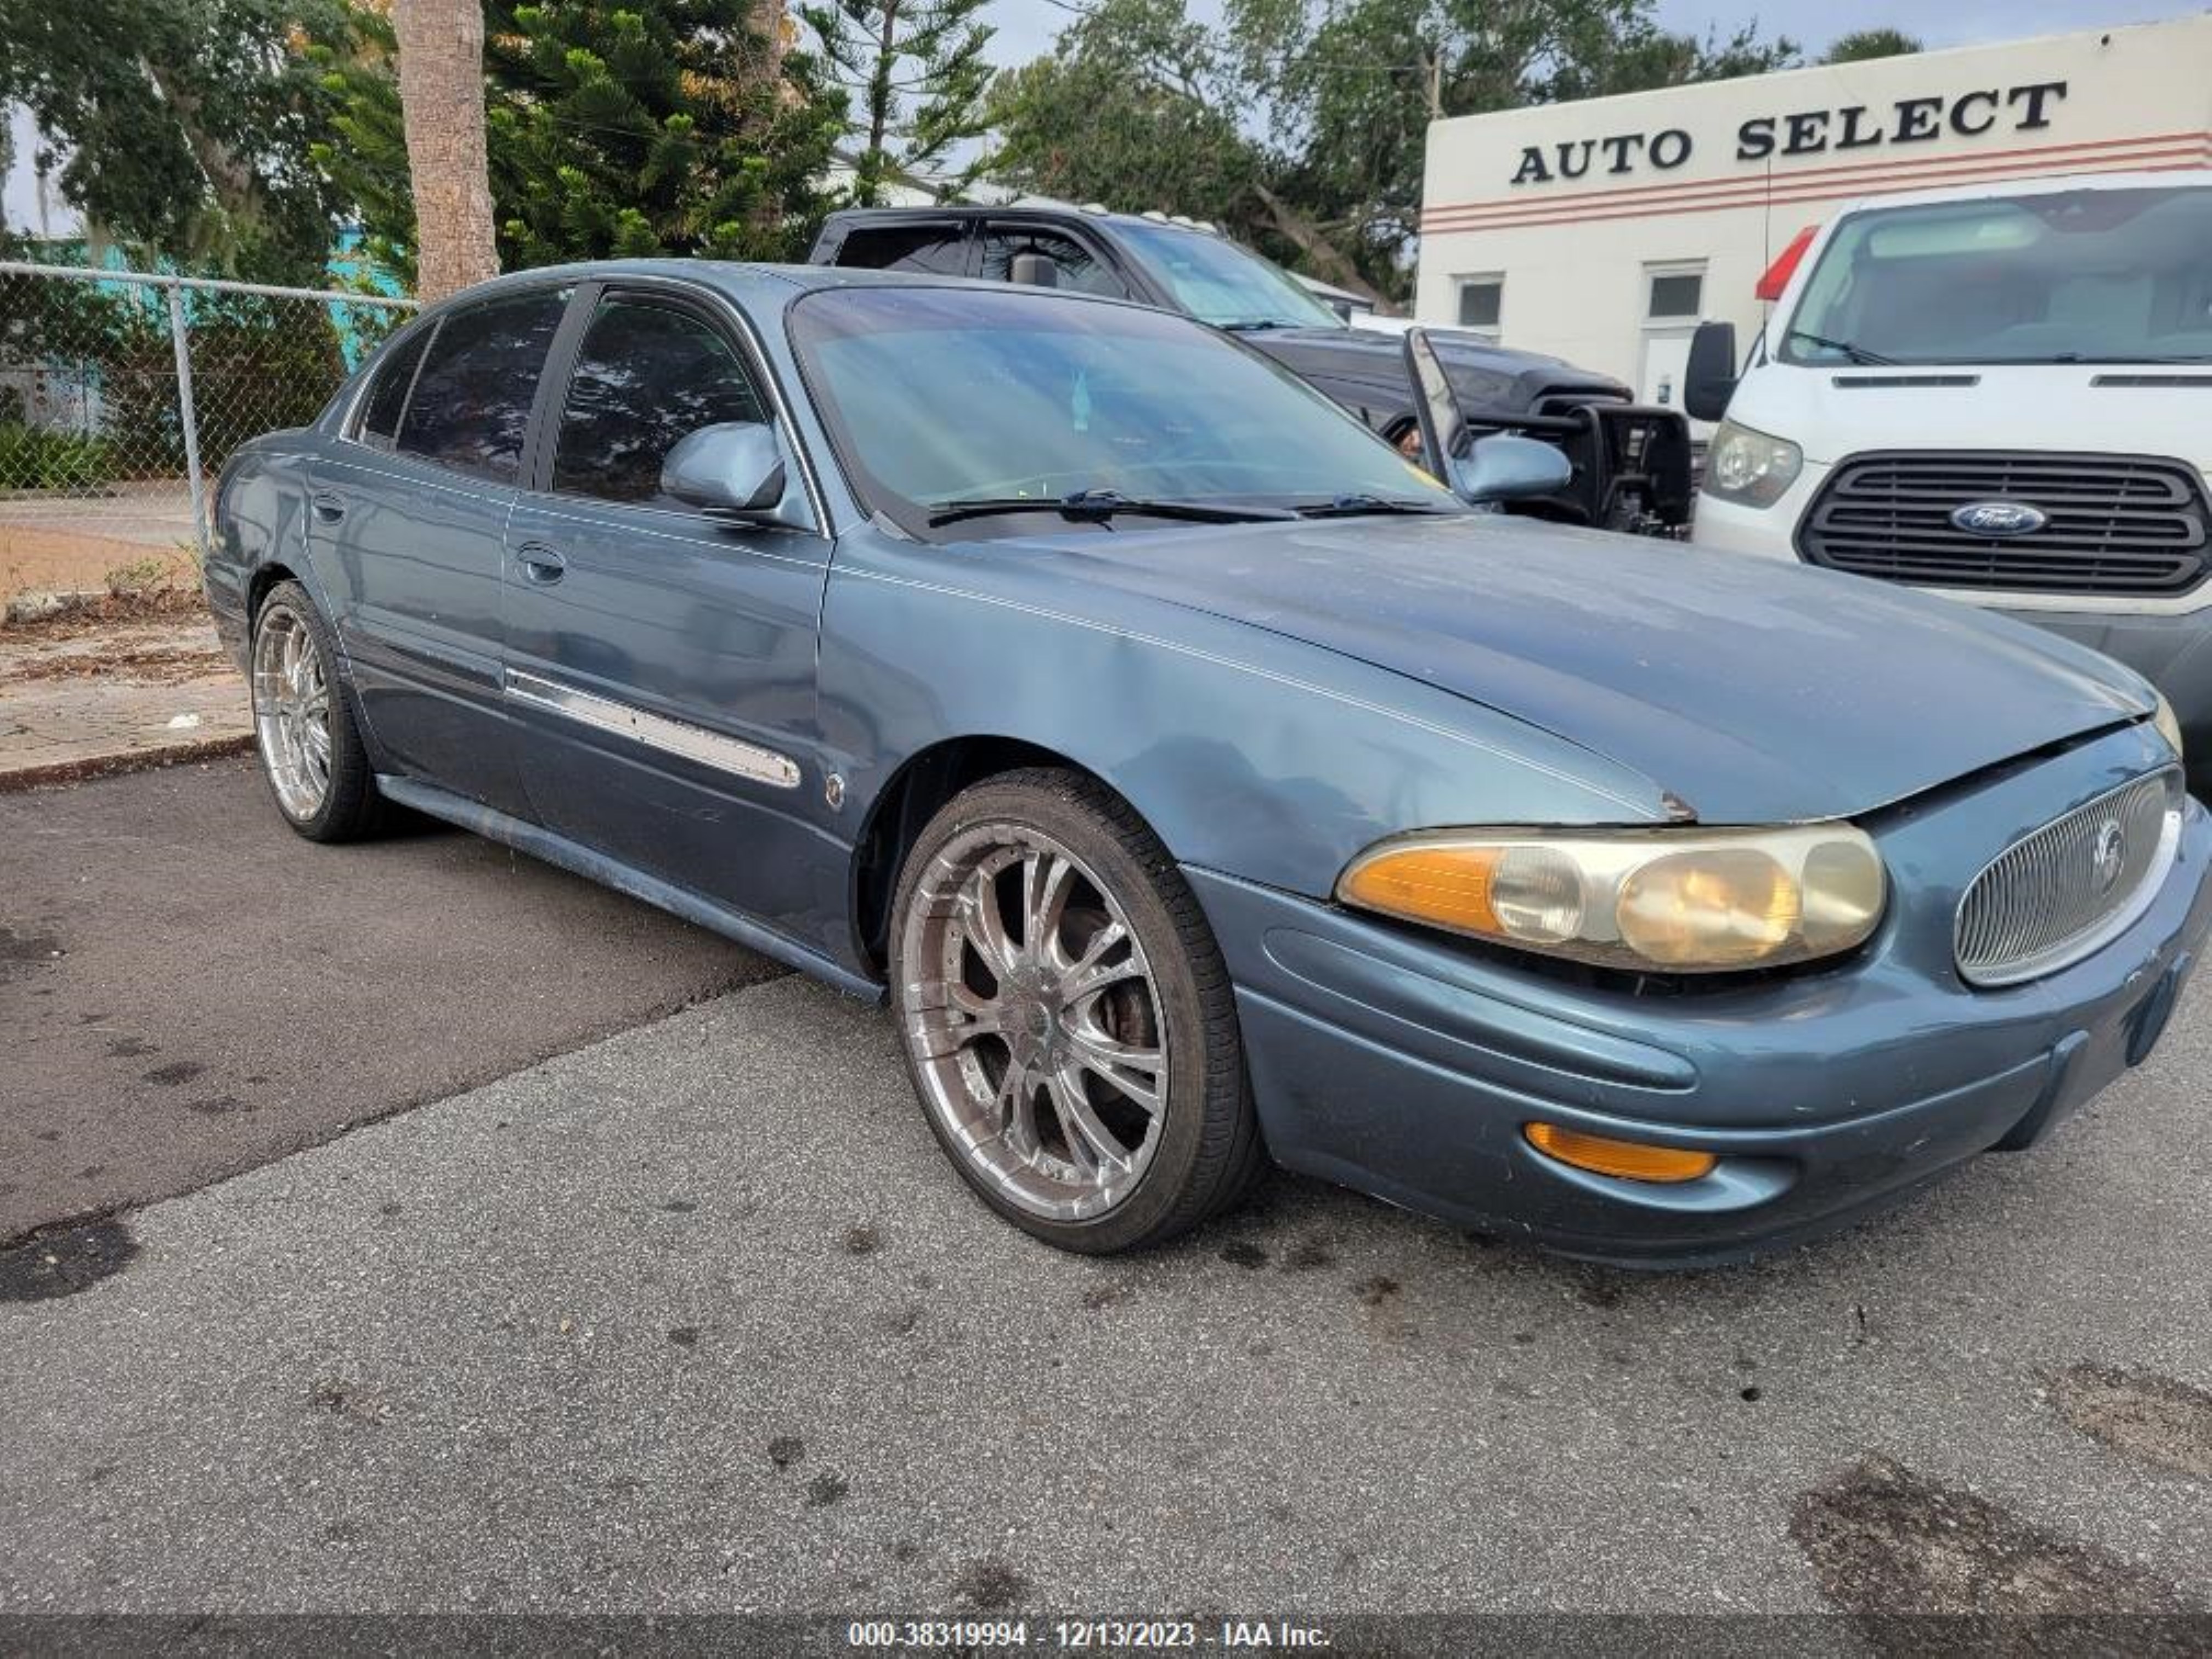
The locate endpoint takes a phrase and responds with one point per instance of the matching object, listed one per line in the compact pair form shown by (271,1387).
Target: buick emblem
(2109,854)
(1995,518)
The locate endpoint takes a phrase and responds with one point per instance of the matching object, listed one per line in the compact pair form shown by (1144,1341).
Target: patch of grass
(34,457)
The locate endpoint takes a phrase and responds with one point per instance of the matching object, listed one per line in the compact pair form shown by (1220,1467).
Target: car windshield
(1217,282)
(943,396)
(2077,276)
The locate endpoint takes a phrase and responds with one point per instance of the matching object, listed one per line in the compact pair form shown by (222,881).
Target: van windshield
(2072,277)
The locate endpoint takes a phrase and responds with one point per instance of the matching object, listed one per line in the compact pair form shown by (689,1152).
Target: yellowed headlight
(1718,906)
(2168,725)
(1678,900)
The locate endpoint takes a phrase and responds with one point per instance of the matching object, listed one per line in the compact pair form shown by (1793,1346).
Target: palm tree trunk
(442,97)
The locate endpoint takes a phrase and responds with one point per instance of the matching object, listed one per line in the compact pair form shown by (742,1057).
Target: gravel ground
(697,1319)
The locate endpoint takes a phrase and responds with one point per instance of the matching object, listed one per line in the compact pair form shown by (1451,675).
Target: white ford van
(2001,393)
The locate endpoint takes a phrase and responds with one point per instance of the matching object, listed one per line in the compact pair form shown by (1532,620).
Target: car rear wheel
(312,752)
(1067,1019)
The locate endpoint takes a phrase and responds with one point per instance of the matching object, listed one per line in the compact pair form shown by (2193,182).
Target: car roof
(1030,209)
(758,284)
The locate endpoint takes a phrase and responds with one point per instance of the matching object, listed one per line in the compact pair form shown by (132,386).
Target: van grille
(2119,524)
(2062,891)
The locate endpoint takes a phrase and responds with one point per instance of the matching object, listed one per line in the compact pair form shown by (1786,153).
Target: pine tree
(925,57)
(652,127)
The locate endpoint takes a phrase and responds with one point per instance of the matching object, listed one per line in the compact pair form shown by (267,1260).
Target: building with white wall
(1605,231)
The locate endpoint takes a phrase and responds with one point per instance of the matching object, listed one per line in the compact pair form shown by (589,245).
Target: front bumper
(1390,1060)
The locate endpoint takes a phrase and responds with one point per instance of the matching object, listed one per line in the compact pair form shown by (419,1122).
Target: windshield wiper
(1359,505)
(1252,324)
(1098,505)
(1857,354)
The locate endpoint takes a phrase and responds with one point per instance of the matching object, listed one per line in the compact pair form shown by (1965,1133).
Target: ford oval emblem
(1995,519)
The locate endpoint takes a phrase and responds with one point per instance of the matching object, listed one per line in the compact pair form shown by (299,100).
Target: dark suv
(1632,462)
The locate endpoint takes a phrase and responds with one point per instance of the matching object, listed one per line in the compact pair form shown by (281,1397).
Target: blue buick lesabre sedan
(1198,782)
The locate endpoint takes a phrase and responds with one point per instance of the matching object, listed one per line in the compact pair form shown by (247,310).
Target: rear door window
(470,406)
(387,397)
(940,249)
(650,376)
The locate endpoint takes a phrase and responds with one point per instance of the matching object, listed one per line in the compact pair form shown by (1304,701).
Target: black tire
(1208,1147)
(350,808)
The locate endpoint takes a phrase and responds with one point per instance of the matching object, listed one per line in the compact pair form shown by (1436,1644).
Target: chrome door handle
(328,508)
(541,565)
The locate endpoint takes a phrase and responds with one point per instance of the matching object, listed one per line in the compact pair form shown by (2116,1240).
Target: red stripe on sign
(1931,166)
(2162,160)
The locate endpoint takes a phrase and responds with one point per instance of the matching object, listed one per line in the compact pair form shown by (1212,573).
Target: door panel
(417,559)
(410,522)
(661,664)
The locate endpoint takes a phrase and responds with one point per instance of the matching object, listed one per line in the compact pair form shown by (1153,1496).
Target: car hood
(1746,692)
(1485,376)
(2115,408)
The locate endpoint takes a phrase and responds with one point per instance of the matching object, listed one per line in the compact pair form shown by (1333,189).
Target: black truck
(1632,463)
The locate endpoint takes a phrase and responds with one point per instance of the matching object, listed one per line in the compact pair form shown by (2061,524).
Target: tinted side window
(1079,271)
(472,400)
(938,248)
(387,399)
(650,376)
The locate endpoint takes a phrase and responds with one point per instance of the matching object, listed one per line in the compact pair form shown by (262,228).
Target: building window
(1481,302)
(1676,293)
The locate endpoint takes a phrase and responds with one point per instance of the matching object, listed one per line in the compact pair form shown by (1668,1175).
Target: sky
(1025,28)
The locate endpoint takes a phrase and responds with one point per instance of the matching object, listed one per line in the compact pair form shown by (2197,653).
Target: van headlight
(1680,902)
(2168,725)
(1750,468)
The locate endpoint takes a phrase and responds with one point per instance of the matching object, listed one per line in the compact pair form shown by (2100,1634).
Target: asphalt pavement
(695,1318)
(188,989)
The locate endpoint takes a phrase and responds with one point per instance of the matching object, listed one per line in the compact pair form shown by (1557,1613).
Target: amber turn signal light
(1630,1160)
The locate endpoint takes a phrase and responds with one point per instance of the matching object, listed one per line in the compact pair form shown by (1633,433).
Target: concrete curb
(128,759)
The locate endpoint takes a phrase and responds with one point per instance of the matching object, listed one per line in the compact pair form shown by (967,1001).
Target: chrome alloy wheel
(292,710)
(1035,1022)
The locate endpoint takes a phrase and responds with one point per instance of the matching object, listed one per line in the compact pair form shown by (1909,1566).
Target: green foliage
(883,51)
(653,127)
(182,126)
(33,458)
(1863,44)
(1131,108)
(1137,106)
(102,352)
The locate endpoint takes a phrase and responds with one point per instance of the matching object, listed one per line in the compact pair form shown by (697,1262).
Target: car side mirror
(1505,467)
(1710,380)
(735,469)
(1032,270)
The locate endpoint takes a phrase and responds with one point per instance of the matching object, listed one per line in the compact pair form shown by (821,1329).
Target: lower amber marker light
(1629,1160)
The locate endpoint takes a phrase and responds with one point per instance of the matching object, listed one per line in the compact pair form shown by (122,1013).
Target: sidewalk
(83,696)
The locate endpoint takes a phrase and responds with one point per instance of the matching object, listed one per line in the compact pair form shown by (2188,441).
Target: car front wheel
(1067,1019)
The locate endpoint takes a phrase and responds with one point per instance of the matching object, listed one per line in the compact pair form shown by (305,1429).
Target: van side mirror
(1032,270)
(1710,380)
(734,469)
(1506,467)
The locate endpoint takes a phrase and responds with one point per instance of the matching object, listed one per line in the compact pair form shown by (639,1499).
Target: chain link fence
(122,393)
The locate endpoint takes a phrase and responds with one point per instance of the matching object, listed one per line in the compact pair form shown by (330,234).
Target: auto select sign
(2025,108)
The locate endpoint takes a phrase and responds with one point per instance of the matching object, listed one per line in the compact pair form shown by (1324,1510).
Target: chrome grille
(2117,524)
(2063,891)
